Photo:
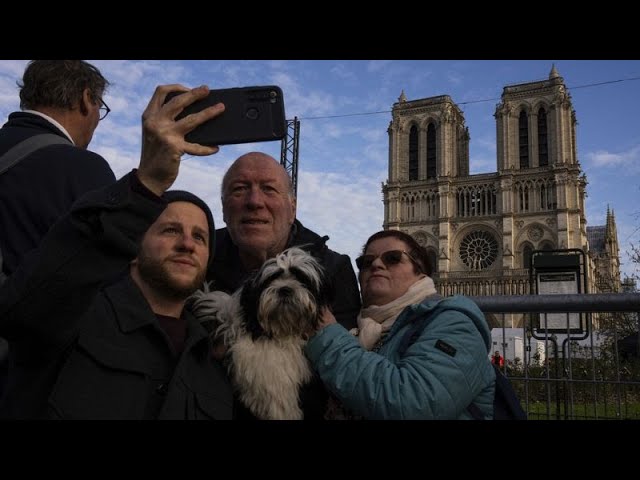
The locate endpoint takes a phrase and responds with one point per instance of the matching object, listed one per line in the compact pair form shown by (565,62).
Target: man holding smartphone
(96,316)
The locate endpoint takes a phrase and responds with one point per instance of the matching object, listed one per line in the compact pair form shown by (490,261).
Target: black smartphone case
(252,114)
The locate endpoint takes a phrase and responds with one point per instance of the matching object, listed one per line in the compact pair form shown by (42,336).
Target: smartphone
(252,114)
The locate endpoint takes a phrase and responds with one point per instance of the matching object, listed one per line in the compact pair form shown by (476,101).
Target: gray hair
(59,83)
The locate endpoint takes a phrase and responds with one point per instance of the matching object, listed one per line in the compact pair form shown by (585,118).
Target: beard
(156,274)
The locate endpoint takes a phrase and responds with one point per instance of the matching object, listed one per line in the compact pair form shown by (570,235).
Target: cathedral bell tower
(537,159)
(428,149)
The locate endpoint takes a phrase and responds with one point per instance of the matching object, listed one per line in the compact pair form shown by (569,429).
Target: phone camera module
(252,113)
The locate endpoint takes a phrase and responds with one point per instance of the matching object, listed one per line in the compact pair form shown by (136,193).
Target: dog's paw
(209,306)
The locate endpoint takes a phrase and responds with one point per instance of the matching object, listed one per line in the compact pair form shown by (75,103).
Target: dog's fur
(265,325)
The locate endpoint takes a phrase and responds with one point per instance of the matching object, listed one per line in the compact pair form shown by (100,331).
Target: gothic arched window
(523,136)
(431,151)
(546,246)
(543,145)
(526,256)
(432,258)
(413,153)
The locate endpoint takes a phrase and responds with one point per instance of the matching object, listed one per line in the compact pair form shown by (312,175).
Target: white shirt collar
(52,121)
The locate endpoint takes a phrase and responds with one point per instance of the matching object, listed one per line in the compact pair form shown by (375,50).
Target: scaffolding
(289,152)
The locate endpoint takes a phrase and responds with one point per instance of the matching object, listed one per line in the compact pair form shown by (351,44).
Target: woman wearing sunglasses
(414,354)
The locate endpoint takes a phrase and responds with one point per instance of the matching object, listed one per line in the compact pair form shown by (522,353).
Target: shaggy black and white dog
(265,325)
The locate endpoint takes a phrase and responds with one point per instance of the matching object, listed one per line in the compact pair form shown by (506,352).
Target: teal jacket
(444,370)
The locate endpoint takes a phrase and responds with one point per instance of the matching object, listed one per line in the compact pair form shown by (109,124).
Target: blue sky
(343,159)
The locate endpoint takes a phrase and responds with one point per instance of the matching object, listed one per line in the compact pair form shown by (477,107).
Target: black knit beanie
(183,196)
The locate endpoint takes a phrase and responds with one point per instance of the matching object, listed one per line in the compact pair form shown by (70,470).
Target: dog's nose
(285,291)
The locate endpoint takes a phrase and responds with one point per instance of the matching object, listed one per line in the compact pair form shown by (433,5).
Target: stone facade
(480,230)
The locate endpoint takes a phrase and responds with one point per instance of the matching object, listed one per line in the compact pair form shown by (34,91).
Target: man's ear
(224,216)
(85,101)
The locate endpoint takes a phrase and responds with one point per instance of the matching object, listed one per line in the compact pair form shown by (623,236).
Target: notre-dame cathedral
(480,230)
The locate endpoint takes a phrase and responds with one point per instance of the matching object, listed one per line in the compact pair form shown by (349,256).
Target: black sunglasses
(389,258)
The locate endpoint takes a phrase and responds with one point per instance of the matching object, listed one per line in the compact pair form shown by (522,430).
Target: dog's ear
(249,298)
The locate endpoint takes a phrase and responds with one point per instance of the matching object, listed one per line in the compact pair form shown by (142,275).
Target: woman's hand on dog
(326,318)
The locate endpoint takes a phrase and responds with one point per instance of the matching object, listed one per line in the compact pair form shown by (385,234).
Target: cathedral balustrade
(483,285)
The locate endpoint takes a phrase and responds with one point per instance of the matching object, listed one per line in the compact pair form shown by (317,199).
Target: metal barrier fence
(589,373)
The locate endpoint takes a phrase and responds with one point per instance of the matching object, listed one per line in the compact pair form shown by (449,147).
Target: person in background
(414,355)
(86,346)
(64,98)
(497,359)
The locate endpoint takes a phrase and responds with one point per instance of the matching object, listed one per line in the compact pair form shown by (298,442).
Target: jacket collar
(52,121)
(133,311)
(131,308)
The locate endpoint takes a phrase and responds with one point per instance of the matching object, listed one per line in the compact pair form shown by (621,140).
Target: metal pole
(554,339)
(638,335)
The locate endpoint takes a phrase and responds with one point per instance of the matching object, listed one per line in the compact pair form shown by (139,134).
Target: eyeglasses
(104,110)
(389,258)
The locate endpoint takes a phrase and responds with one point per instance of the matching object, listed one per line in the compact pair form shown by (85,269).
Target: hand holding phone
(252,114)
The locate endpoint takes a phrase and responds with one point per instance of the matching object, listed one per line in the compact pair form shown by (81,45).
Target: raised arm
(46,295)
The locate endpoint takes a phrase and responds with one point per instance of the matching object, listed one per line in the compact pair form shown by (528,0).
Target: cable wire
(598,84)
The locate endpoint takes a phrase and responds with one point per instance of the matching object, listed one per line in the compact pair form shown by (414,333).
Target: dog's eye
(300,275)
(272,276)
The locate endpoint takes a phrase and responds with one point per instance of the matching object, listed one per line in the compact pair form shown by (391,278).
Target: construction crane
(289,152)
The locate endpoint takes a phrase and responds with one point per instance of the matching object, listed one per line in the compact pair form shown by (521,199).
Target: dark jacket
(41,188)
(228,274)
(82,349)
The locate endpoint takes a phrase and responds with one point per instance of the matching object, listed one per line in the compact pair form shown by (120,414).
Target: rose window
(479,250)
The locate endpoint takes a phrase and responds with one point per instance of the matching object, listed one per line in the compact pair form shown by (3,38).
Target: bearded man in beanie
(96,318)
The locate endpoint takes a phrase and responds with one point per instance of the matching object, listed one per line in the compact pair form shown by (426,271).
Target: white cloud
(482,164)
(121,161)
(348,209)
(602,158)
(10,73)
(343,72)
(301,102)
(454,77)
(13,68)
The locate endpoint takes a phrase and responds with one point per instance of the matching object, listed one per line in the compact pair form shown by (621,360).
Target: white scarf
(375,320)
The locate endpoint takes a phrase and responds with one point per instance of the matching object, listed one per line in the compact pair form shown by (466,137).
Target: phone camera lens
(252,113)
